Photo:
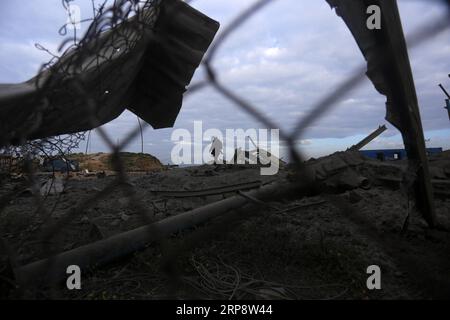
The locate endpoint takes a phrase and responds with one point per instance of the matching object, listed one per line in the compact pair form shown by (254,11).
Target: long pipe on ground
(53,270)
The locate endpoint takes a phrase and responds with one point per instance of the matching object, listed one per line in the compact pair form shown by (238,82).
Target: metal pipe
(53,270)
(368,139)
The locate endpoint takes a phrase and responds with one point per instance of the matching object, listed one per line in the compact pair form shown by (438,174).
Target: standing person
(216,148)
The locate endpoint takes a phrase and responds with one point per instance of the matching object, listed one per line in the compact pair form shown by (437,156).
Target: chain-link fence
(86,86)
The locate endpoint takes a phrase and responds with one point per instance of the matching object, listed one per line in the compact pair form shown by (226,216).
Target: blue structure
(393,154)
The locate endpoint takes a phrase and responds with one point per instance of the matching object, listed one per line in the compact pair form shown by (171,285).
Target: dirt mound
(133,162)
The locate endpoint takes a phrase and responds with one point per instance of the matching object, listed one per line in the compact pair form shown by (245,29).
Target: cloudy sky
(283,60)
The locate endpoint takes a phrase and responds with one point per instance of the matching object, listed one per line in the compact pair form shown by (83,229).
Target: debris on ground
(298,247)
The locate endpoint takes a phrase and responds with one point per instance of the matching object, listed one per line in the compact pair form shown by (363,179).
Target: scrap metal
(389,70)
(143,64)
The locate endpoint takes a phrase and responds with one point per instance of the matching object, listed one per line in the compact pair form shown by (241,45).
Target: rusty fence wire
(95,48)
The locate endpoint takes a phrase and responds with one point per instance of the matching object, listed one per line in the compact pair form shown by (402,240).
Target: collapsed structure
(389,70)
(150,76)
(143,64)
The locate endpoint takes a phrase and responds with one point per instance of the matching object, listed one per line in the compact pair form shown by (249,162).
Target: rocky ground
(314,246)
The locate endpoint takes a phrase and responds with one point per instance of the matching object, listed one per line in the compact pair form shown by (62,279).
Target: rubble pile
(308,225)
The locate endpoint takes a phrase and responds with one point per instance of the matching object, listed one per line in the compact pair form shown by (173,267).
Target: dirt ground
(309,247)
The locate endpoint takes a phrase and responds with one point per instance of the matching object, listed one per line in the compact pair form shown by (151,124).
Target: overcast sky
(282,60)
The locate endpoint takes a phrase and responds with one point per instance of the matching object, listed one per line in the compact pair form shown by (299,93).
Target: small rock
(398,274)
(95,233)
(52,186)
(68,246)
(436,236)
(354,197)
(124,217)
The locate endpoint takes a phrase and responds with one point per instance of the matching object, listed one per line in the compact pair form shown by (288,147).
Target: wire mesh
(111,37)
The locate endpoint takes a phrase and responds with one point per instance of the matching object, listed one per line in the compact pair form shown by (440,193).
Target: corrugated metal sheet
(143,68)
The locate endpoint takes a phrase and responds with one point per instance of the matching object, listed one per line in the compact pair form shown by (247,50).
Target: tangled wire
(220,280)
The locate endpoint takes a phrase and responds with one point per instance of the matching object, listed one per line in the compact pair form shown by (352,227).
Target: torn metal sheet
(144,64)
(389,69)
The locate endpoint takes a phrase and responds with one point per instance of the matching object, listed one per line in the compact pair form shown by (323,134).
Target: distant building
(393,154)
